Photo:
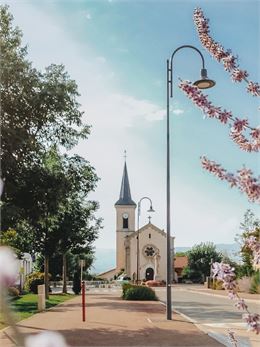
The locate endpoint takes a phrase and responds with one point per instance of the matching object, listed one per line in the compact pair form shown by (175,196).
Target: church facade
(152,241)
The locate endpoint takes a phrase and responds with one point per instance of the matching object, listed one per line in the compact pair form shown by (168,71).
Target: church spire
(125,193)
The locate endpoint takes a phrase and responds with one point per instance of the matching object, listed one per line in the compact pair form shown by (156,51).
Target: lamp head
(151,209)
(204,82)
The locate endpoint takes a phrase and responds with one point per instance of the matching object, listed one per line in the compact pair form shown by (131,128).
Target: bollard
(41,297)
(83,301)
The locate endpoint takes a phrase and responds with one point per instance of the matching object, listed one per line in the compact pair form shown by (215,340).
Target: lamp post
(138,221)
(203,83)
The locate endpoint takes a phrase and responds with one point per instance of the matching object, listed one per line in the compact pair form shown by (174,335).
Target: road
(212,313)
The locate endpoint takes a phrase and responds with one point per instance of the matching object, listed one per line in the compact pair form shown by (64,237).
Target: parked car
(123,279)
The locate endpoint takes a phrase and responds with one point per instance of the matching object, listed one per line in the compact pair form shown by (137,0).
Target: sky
(117,51)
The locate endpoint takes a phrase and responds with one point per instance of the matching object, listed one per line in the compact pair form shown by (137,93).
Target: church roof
(125,193)
(146,226)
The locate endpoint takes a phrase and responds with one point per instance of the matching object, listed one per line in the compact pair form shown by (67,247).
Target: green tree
(38,110)
(199,259)
(39,114)
(249,227)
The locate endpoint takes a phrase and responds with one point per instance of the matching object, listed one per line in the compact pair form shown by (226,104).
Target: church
(149,263)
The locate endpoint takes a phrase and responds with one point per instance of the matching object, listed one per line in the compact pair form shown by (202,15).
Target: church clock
(125,220)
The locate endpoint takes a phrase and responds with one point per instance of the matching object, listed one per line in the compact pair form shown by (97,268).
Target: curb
(219,296)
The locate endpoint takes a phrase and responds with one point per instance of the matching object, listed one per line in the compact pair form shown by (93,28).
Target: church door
(149,274)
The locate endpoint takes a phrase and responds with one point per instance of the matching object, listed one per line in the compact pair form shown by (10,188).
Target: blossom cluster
(237,125)
(46,339)
(225,273)
(222,55)
(9,267)
(254,245)
(244,180)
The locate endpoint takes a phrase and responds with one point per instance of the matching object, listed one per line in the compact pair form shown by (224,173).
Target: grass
(26,305)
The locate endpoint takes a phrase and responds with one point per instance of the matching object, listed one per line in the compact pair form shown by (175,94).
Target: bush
(33,280)
(125,288)
(13,292)
(76,283)
(217,285)
(140,293)
(255,284)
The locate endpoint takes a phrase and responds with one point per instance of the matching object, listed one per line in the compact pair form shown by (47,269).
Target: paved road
(211,313)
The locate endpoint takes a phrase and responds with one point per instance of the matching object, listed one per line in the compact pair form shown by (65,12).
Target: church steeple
(125,193)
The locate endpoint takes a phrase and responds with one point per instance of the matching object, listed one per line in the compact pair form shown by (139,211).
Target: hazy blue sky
(117,51)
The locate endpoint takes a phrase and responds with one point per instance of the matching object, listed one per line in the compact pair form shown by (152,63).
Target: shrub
(140,293)
(13,292)
(33,280)
(76,283)
(217,285)
(125,288)
(255,284)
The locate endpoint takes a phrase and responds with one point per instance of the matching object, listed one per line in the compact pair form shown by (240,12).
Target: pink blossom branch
(225,273)
(243,181)
(220,54)
(237,125)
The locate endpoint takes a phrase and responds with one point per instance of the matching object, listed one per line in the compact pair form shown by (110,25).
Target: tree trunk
(46,275)
(64,273)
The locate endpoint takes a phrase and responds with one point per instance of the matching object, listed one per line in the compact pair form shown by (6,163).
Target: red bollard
(83,301)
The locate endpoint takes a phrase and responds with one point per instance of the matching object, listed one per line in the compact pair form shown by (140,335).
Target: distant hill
(106,257)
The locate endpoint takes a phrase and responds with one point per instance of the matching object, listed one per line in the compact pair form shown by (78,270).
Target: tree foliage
(46,189)
(249,227)
(200,258)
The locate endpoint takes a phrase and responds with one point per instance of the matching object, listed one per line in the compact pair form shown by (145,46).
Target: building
(180,262)
(152,241)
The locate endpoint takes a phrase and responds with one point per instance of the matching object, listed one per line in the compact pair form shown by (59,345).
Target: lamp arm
(171,60)
(139,204)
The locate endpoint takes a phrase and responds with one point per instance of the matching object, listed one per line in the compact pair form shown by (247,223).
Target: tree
(244,135)
(77,229)
(39,114)
(200,258)
(38,110)
(249,227)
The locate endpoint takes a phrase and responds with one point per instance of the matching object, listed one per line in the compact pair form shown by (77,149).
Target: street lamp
(203,83)
(138,221)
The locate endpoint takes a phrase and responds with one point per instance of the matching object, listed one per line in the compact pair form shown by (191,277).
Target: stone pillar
(41,298)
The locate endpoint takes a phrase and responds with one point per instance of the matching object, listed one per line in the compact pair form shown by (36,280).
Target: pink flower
(46,339)
(9,267)
(241,305)
(253,321)
(224,116)
(254,245)
(240,124)
(244,181)
(220,54)
(239,75)
(229,62)
(232,337)
(253,88)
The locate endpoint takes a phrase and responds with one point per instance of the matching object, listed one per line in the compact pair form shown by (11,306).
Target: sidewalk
(111,321)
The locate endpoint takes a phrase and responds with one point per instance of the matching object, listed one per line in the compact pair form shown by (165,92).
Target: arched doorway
(149,274)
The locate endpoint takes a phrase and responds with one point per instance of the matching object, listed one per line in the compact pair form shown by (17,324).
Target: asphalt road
(212,314)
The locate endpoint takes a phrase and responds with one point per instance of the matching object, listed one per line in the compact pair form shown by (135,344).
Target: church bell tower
(125,222)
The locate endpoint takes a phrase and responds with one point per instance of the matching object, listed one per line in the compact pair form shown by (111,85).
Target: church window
(149,236)
(125,223)
(149,251)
